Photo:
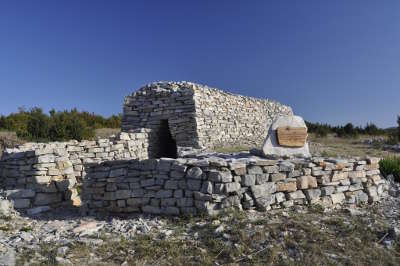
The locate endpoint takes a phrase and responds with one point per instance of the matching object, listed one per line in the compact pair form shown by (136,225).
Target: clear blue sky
(332,61)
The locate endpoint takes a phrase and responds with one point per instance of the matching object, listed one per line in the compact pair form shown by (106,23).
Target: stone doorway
(167,145)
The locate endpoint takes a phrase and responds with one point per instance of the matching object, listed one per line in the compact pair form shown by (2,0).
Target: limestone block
(252,170)
(151,209)
(289,185)
(280,197)
(232,187)
(193,184)
(277,177)
(305,182)
(265,202)
(164,194)
(207,187)
(47,198)
(20,193)
(5,207)
(296,195)
(171,210)
(271,169)
(326,191)
(171,184)
(263,190)
(271,145)
(312,194)
(220,176)
(262,179)
(337,198)
(339,175)
(194,173)
(248,180)
(286,166)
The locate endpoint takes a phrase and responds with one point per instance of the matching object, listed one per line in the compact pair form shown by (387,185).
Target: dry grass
(232,149)
(332,146)
(106,132)
(9,139)
(309,238)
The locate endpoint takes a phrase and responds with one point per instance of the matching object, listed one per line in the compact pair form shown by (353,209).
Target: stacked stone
(171,101)
(199,116)
(225,119)
(191,186)
(38,174)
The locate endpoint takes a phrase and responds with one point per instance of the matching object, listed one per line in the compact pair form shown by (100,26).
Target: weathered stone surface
(262,179)
(20,193)
(288,186)
(194,173)
(232,187)
(220,176)
(47,198)
(263,190)
(252,170)
(296,195)
(37,210)
(326,191)
(207,187)
(304,182)
(5,208)
(193,184)
(248,180)
(271,145)
(286,166)
(277,177)
(218,181)
(21,203)
(312,194)
(171,184)
(337,198)
(265,202)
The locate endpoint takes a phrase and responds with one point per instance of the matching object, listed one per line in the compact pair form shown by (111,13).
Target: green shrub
(38,125)
(35,125)
(390,166)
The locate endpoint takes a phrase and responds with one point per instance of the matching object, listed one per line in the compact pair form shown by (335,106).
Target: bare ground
(298,236)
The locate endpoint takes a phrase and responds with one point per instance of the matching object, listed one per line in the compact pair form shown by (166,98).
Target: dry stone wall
(225,119)
(199,116)
(47,174)
(169,101)
(191,186)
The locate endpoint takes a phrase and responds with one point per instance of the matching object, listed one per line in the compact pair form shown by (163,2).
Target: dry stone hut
(184,114)
(126,173)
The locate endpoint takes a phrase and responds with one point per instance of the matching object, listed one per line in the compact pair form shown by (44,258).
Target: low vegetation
(35,125)
(293,237)
(390,166)
(347,131)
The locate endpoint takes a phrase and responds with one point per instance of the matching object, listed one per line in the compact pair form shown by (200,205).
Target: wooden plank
(292,136)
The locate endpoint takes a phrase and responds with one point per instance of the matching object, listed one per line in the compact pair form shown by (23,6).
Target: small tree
(38,124)
(398,127)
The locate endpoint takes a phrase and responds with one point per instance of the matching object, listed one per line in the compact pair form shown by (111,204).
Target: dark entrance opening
(167,145)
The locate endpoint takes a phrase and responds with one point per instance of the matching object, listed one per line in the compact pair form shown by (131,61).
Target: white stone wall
(225,119)
(163,101)
(200,116)
(38,174)
(192,186)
